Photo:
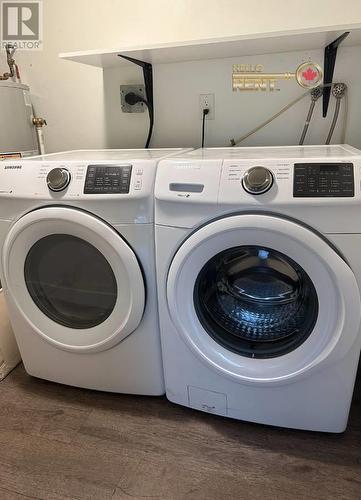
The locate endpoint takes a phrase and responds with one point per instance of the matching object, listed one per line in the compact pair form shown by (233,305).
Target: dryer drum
(256,301)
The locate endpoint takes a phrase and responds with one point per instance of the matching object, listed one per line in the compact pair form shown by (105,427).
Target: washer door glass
(256,301)
(70,281)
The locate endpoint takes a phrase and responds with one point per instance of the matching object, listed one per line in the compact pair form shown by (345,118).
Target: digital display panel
(108,179)
(323,180)
(329,167)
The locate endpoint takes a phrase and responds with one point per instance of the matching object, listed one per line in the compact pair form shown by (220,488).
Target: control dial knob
(257,180)
(58,179)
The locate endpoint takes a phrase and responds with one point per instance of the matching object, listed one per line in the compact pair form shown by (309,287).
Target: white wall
(71,96)
(177,89)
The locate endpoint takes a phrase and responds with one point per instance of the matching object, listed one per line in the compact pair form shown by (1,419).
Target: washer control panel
(107,179)
(321,180)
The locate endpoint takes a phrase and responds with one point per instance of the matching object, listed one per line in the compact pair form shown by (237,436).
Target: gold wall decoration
(251,77)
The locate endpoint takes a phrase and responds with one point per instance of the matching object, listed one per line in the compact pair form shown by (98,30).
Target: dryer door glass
(256,301)
(70,281)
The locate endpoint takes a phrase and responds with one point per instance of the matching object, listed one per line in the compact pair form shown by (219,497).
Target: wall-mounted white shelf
(247,45)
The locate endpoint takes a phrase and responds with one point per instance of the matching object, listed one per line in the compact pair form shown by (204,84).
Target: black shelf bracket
(148,83)
(329,68)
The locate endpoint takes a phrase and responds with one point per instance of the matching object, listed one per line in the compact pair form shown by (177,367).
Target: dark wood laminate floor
(58,443)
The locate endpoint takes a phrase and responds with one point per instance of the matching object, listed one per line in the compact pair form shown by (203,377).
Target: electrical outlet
(140,107)
(206,101)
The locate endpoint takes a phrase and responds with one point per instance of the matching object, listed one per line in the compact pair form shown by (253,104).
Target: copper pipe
(39,123)
(10,50)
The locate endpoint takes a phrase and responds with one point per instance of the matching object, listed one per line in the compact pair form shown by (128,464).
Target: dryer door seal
(307,287)
(73,278)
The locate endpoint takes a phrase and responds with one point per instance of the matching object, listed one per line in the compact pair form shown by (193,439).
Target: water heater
(17,136)
(17,131)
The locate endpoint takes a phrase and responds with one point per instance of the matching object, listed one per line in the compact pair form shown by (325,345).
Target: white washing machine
(259,276)
(78,267)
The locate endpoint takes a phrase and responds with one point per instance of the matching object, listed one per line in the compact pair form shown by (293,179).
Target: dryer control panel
(319,180)
(107,179)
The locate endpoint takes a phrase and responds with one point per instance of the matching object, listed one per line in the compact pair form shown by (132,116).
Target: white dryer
(259,276)
(78,267)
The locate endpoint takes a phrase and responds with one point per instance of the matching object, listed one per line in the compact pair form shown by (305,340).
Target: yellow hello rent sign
(253,78)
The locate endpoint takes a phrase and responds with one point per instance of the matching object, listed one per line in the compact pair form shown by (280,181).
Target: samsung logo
(12,166)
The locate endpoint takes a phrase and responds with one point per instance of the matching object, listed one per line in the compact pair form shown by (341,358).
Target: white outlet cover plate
(207,101)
